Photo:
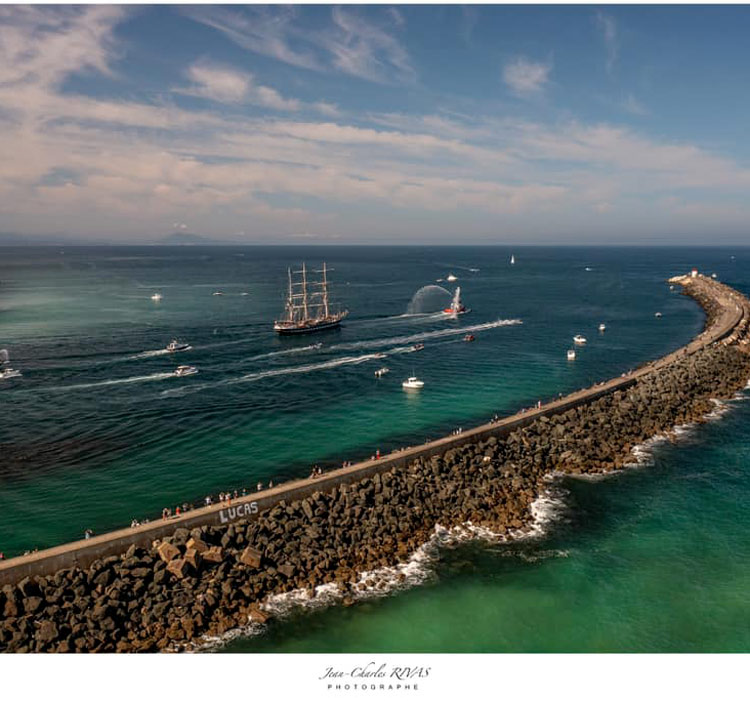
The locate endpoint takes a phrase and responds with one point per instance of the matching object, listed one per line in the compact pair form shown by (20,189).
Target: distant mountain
(180,238)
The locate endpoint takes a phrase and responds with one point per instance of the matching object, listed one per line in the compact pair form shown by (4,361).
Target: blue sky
(366,124)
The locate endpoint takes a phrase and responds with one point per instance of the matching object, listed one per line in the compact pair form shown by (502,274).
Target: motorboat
(381,372)
(174,346)
(417,347)
(469,337)
(571,354)
(451,277)
(218,294)
(512,259)
(602,327)
(580,340)
(412,383)
(185,370)
(713,275)
(380,355)
(588,270)
(457,307)
(6,371)
(658,315)
(156,297)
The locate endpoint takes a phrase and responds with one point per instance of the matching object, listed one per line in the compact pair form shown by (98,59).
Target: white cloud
(229,85)
(217,83)
(349,43)
(634,106)
(608,28)
(526,77)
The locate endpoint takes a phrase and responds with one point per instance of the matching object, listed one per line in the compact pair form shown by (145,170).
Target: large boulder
(168,552)
(251,557)
(178,567)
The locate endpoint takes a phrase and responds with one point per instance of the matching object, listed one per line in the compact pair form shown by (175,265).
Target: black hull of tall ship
(311,328)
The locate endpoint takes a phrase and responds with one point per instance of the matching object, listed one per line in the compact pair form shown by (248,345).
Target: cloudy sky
(406,124)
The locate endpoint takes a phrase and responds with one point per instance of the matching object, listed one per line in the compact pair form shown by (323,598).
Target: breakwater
(209,576)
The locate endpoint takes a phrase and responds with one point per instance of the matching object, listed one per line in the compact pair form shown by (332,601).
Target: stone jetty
(177,583)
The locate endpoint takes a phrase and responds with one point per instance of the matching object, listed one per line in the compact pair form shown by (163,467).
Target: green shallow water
(97,432)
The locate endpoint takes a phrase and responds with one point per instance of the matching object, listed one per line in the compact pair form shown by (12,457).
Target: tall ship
(307,307)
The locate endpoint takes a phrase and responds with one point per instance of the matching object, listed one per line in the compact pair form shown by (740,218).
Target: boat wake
(438,333)
(107,383)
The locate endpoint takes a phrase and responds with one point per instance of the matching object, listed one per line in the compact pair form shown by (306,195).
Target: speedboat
(381,372)
(156,297)
(185,370)
(512,259)
(451,277)
(602,327)
(713,275)
(588,270)
(457,306)
(469,337)
(571,354)
(218,294)
(580,340)
(417,347)
(412,383)
(174,346)
(658,315)
(8,373)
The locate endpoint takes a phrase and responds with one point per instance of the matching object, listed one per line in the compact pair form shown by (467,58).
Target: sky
(413,124)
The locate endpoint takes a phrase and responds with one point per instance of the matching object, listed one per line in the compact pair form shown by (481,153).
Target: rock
(47,632)
(251,557)
(287,570)
(214,554)
(32,604)
(178,567)
(193,558)
(168,552)
(257,615)
(195,543)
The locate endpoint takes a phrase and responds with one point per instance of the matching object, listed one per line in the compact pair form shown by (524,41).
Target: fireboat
(457,306)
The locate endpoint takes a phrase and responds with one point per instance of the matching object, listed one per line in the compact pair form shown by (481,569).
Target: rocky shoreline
(209,580)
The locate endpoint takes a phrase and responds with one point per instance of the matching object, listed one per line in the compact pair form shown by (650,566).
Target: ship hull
(299,330)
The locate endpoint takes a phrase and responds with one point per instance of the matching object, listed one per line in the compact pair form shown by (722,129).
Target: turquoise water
(97,432)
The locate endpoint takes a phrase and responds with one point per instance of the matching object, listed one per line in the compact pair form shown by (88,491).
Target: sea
(99,431)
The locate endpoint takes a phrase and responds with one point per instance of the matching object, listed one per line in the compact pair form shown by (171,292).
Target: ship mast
(304,291)
(325,292)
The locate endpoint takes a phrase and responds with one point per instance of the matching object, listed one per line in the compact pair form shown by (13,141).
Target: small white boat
(412,383)
(588,270)
(580,340)
(7,372)
(671,287)
(713,275)
(451,277)
(602,327)
(381,372)
(416,347)
(156,297)
(658,315)
(512,259)
(174,346)
(380,355)
(185,370)
(571,354)
(218,294)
